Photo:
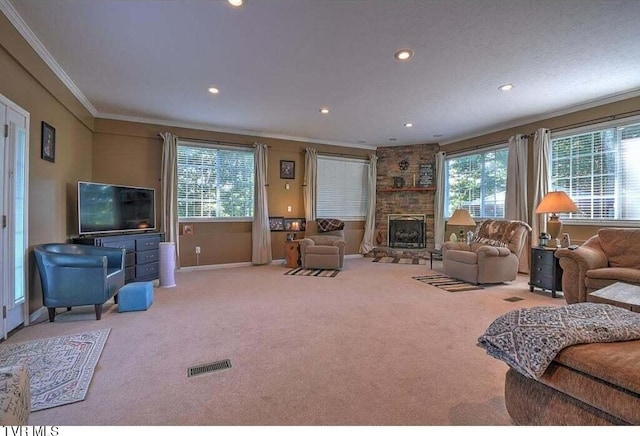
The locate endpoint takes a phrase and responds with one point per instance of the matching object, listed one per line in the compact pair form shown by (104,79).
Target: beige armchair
(322,250)
(492,257)
(613,255)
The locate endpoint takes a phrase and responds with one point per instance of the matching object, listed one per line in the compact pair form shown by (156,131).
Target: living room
(128,151)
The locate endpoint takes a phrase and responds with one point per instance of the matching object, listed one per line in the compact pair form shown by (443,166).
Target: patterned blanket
(529,339)
(329,225)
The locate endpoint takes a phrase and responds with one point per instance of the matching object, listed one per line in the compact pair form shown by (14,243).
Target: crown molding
(14,17)
(218,129)
(545,116)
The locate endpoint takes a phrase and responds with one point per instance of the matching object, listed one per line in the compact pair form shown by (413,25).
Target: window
(342,188)
(477,182)
(600,170)
(214,182)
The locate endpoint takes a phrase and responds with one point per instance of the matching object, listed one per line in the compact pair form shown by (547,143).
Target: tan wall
(29,83)
(130,153)
(578,233)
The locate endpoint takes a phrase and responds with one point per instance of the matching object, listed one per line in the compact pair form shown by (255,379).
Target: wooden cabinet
(292,253)
(546,272)
(141,260)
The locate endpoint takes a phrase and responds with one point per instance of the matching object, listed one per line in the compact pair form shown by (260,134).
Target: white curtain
(370,224)
(260,231)
(169,187)
(439,200)
(310,183)
(516,194)
(541,144)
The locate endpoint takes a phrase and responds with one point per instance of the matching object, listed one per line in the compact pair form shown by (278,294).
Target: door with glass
(13,241)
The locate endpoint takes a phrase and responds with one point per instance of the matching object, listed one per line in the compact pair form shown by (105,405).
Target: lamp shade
(461,217)
(557,202)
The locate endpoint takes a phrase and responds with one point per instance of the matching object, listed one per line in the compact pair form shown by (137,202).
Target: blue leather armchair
(79,275)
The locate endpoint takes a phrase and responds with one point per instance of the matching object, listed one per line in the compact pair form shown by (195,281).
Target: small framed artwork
(48,142)
(293,224)
(276,223)
(287,169)
(187,229)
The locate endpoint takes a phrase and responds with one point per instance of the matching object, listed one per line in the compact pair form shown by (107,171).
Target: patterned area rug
(60,368)
(401,260)
(312,272)
(447,283)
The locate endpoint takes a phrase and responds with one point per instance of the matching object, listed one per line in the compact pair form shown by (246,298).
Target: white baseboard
(40,313)
(218,266)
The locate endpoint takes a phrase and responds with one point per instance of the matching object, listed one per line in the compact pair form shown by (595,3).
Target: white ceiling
(276,62)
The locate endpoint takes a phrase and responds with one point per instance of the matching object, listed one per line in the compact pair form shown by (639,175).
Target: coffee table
(618,294)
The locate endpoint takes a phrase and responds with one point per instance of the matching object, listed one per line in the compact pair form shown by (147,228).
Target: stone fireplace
(406,231)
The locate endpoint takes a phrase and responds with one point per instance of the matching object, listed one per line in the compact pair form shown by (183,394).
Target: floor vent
(513,299)
(208,367)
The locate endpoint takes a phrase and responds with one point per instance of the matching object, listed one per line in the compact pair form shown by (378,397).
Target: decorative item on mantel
(398,182)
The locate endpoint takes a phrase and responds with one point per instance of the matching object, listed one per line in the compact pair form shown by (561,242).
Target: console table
(141,260)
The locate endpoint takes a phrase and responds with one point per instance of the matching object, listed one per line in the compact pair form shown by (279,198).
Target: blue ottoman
(135,296)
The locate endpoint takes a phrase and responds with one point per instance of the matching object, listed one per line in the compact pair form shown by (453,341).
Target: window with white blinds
(600,170)
(214,182)
(477,182)
(342,188)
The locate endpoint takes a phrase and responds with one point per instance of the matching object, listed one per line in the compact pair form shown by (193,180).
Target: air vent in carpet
(208,367)
(513,299)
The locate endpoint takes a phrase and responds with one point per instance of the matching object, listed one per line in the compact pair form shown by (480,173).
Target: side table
(546,272)
(292,253)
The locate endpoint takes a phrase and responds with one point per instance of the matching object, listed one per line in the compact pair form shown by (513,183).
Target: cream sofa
(613,255)
(322,250)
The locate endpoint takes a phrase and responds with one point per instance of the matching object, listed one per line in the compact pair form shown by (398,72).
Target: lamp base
(554,227)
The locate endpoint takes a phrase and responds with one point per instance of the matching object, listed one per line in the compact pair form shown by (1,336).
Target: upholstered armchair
(323,249)
(612,255)
(79,275)
(492,257)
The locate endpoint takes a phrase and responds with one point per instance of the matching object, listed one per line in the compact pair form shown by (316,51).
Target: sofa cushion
(628,275)
(621,246)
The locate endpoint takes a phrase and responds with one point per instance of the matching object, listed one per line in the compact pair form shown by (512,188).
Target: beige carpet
(368,347)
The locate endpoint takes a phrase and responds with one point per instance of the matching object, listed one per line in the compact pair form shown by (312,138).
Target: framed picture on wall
(293,224)
(287,169)
(276,223)
(48,142)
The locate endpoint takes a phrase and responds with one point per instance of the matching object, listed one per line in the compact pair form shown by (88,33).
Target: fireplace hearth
(406,231)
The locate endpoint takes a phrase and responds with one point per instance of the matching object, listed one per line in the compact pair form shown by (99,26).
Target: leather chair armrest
(304,243)
(575,264)
(585,258)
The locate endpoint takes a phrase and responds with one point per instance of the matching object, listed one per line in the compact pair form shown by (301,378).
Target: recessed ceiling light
(408,124)
(404,54)
(324,110)
(362,142)
(213,90)
(235,3)
(392,139)
(437,136)
(506,87)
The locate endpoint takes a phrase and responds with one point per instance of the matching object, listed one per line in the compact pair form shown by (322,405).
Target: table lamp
(556,202)
(461,217)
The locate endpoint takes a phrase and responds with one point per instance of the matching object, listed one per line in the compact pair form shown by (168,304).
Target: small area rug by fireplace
(312,272)
(400,260)
(447,283)
(60,368)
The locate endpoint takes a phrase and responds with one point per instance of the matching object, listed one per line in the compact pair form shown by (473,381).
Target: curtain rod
(343,155)
(207,141)
(557,129)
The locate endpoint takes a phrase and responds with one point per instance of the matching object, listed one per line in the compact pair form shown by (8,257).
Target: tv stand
(141,260)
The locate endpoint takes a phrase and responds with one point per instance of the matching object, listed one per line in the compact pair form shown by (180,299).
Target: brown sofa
(492,257)
(587,384)
(613,255)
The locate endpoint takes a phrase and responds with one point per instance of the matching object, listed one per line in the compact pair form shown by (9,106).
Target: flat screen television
(108,208)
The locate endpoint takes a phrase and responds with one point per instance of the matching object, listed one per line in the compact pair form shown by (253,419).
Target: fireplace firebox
(407,231)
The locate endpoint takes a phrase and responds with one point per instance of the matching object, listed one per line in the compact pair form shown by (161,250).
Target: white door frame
(14,126)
